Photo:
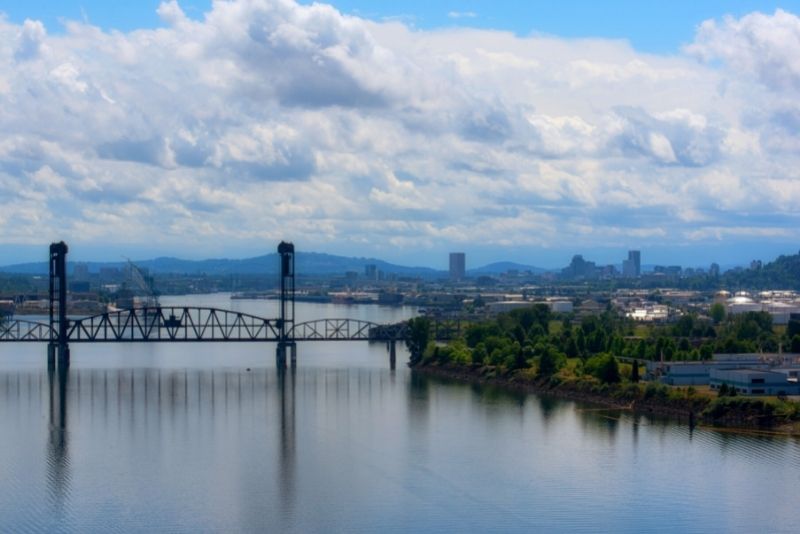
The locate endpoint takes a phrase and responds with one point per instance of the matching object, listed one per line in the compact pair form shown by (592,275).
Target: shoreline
(693,412)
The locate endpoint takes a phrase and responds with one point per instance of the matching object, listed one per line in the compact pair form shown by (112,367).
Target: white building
(649,313)
(742,303)
(779,304)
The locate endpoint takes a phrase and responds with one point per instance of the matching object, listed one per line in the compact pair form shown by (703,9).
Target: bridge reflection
(128,408)
(188,436)
(58,465)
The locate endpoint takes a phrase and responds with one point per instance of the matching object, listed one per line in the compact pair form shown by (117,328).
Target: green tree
(571,348)
(635,371)
(684,326)
(604,367)
(476,333)
(717,312)
(550,361)
(792,328)
(419,334)
(580,341)
(479,354)
(795,347)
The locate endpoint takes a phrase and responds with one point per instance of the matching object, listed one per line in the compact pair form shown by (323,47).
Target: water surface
(211,437)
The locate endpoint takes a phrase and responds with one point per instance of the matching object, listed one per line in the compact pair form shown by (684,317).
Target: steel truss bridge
(200,324)
(197,324)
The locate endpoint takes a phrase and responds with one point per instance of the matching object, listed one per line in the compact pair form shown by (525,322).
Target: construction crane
(145,283)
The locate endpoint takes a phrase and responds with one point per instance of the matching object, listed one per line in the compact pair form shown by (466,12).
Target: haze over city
(509,131)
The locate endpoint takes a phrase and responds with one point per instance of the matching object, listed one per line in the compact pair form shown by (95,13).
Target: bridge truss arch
(347,330)
(198,324)
(173,323)
(17,330)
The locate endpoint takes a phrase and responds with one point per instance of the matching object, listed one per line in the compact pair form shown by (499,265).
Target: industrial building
(781,305)
(693,373)
(757,381)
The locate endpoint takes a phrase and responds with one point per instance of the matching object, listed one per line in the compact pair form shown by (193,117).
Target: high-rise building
(371,271)
(80,272)
(458,264)
(579,268)
(632,267)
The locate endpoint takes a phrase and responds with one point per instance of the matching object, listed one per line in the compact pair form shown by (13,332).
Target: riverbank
(686,405)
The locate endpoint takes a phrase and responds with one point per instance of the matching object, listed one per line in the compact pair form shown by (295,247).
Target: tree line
(536,338)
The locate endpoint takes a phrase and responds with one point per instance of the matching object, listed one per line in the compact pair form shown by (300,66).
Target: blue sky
(652,26)
(524,131)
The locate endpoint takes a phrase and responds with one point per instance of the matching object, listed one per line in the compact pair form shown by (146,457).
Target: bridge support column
(58,355)
(286,321)
(58,307)
(392,354)
(286,349)
(280,356)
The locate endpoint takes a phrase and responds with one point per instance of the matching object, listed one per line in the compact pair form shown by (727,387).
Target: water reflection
(58,469)
(548,406)
(317,449)
(146,415)
(286,392)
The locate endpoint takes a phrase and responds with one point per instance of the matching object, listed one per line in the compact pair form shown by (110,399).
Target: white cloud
(30,41)
(267,118)
(462,14)
(758,44)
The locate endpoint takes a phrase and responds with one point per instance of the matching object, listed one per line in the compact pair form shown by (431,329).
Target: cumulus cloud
(30,41)
(762,45)
(268,119)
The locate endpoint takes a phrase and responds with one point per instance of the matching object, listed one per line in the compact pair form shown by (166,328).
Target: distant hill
(503,267)
(783,273)
(307,263)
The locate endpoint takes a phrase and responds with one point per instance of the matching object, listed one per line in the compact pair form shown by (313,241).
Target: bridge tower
(58,297)
(286,343)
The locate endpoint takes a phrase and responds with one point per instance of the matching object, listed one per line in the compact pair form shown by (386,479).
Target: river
(210,437)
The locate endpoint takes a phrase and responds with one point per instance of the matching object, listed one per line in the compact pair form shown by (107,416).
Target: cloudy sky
(504,129)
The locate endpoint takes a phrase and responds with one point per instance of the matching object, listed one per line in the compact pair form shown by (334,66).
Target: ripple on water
(225,449)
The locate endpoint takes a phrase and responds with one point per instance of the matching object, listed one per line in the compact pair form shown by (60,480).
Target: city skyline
(207,131)
(453,264)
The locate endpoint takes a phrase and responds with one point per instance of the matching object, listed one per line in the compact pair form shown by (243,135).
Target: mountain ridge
(307,263)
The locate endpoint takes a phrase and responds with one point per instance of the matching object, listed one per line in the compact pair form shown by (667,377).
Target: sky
(511,130)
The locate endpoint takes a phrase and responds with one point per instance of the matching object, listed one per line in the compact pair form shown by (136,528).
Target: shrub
(656,391)
(604,367)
